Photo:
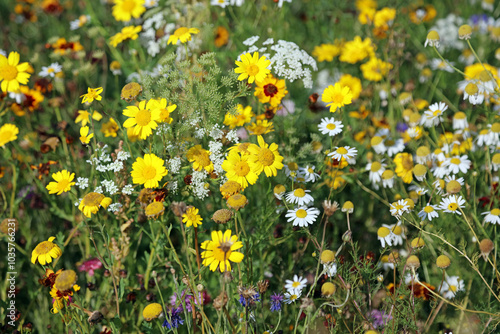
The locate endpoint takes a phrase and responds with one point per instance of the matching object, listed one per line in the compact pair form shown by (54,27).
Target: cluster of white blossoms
(294,288)
(150,29)
(103,162)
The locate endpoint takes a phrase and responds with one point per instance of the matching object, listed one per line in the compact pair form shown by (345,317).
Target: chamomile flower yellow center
(455,161)
(331,126)
(383,232)
(299,192)
(397,230)
(495,212)
(65,280)
(452,206)
(301,213)
(375,166)
(341,150)
(428,209)
(295,284)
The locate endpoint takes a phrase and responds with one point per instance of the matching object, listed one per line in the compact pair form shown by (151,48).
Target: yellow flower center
(455,161)
(453,206)
(383,232)
(293,166)
(143,117)
(295,284)
(301,213)
(330,126)
(471,88)
(397,230)
(437,112)
(93,199)
(241,168)
(253,70)
(495,212)
(453,288)
(149,172)
(128,5)
(299,192)
(310,170)
(495,128)
(341,150)
(222,252)
(63,183)
(428,209)
(407,163)
(293,297)
(65,280)
(266,157)
(154,209)
(390,142)
(375,166)
(181,31)
(44,247)
(9,72)
(338,97)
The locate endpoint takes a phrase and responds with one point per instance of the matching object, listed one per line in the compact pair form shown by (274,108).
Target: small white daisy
(331,127)
(411,279)
(398,208)
(433,116)
(79,22)
(384,262)
(296,285)
(299,196)
(220,3)
(309,174)
(376,170)
(428,212)
(439,64)
(394,146)
(492,216)
(439,185)
(50,71)
(483,138)
(302,216)
(378,145)
(451,286)
(385,236)
(457,164)
(397,233)
(460,121)
(452,204)
(291,297)
(388,178)
(330,268)
(345,152)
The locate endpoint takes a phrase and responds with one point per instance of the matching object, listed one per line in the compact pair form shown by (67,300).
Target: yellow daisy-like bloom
(110,128)
(63,182)
(124,10)
(326,52)
(92,94)
(191,217)
(143,118)
(84,117)
(353,83)
(183,34)
(260,127)
(270,90)
(84,135)
(45,251)
(220,250)
(8,133)
(238,169)
(404,166)
(91,203)
(375,69)
(229,188)
(265,158)
(356,50)
(12,73)
(148,171)
(240,118)
(252,67)
(337,96)
(65,280)
(129,32)
(154,209)
(165,110)
(152,311)
(200,159)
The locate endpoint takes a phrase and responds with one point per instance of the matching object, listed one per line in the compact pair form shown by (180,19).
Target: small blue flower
(175,318)
(276,300)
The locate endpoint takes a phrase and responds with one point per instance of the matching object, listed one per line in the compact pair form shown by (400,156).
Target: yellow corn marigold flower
(91,203)
(12,73)
(129,32)
(326,52)
(154,209)
(63,182)
(183,34)
(200,159)
(265,158)
(384,17)
(65,280)
(237,201)
(375,69)
(191,217)
(148,171)
(252,67)
(8,133)
(152,311)
(337,96)
(270,90)
(357,50)
(84,135)
(84,117)
(142,118)
(110,128)
(242,116)
(260,127)
(404,166)
(165,110)
(124,10)
(92,94)
(45,251)
(238,169)
(354,84)
(220,250)
(229,188)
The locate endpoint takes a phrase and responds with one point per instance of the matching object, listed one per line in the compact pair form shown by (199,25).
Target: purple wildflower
(90,265)
(173,318)
(276,300)
(380,319)
(252,300)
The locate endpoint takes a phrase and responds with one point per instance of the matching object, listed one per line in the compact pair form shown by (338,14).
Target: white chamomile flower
(330,269)
(385,236)
(388,178)
(454,178)
(378,145)
(384,262)
(411,279)
(472,93)
(394,146)
(220,3)
(439,64)
(51,70)
(398,208)
(460,121)
(330,126)
(433,116)
(302,216)
(376,170)
(451,286)
(309,174)
(397,233)
(428,212)
(299,196)
(452,204)
(79,22)
(291,297)
(439,185)
(296,285)
(345,152)
(483,138)
(492,216)
(457,164)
